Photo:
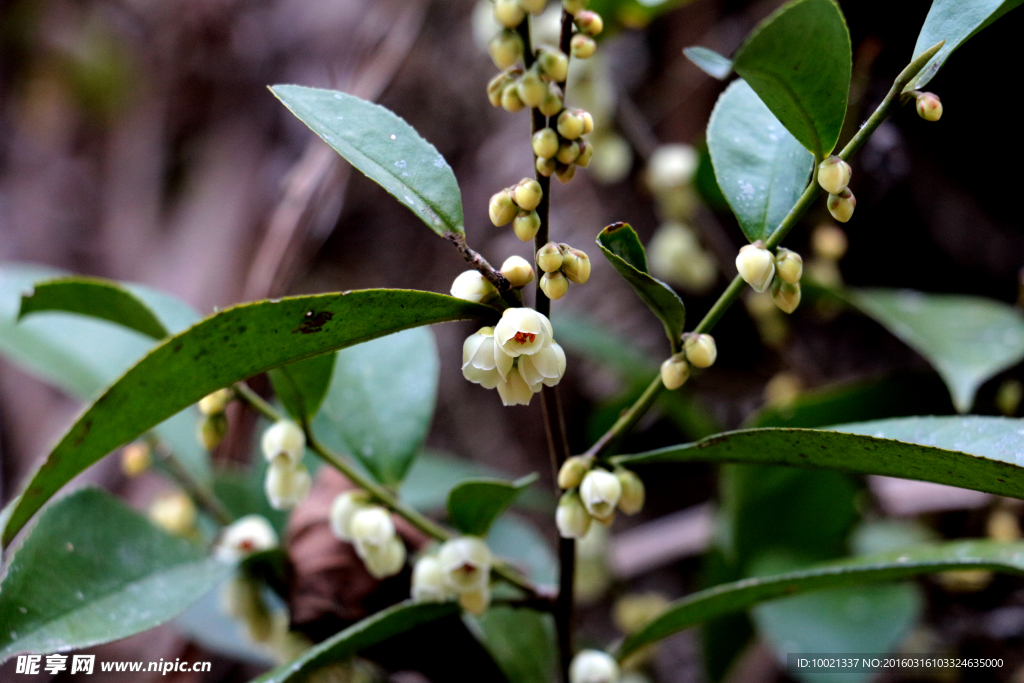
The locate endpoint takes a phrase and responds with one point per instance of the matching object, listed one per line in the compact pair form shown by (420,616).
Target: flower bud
(545,143)
(785,295)
(929,106)
(175,513)
(510,100)
(574,6)
(212,429)
(841,205)
(505,49)
(476,602)
(250,534)
(549,257)
(675,371)
(701,350)
(215,403)
(136,458)
(582,46)
(568,152)
(588,122)
(789,265)
(589,23)
(286,484)
(384,561)
(565,173)
(553,64)
(834,175)
(756,266)
(517,271)
(829,242)
(570,126)
(466,563)
(532,90)
(429,582)
(586,153)
(343,509)
(533,6)
(576,266)
(496,86)
(554,285)
(470,285)
(571,517)
(600,492)
(593,666)
(508,13)
(572,471)
(526,225)
(371,527)
(553,101)
(671,167)
(502,208)
(528,194)
(633,493)
(546,167)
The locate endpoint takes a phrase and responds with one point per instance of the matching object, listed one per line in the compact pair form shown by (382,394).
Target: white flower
(544,367)
(472,286)
(672,166)
(600,492)
(248,535)
(286,484)
(756,266)
(514,390)
(371,528)
(429,581)
(284,437)
(343,509)
(571,517)
(466,563)
(483,362)
(522,331)
(593,666)
(385,560)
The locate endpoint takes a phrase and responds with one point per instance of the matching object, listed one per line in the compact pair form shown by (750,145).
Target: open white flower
(522,331)
(544,367)
(371,528)
(466,562)
(248,535)
(600,492)
(514,390)
(483,362)
(343,509)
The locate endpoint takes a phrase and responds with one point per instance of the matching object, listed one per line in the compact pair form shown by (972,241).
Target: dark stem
(493,276)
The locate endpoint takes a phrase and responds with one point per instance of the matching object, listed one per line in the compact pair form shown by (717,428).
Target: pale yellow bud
(589,23)
(586,153)
(782,389)
(471,285)
(175,513)
(593,666)
(572,471)
(588,122)
(829,242)
(549,257)
(568,152)
(343,509)
(570,126)
(929,106)
(552,103)
(756,266)
(502,208)
(286,483)
(841,205)
(496,86)
(701,350)
(789,265)
(136,458)
(546,167)
(506,49)
(545,143)
(565,173)
(510,100)
(385,560)
(785,295)
(429,581)
(834,175)
(571,516)
(582,46)
(215,403)
(517,271)
(508,13)
(633,493)
(576,266)
(526,225)
(675,371)
(212,430)
(600,492)
(554,64)
(528,194)
(532,89)
(554,285)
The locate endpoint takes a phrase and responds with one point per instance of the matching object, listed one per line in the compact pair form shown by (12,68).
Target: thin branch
(197,491)
(493,276)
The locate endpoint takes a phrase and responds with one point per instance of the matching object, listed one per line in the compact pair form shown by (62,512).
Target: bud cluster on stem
(834,177)
(370,529)
(594,493)
(560,149)
(780,272)
(561,265)
(460,569)
(517,205)
(287,480)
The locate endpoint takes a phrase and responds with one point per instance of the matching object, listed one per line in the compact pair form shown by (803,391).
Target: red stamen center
(524,337)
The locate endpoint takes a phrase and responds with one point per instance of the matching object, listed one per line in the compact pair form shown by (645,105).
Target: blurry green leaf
(512,538)
(709,61)
(966,339)
(370,631)
(433,475)
(971,452)
(522,642)
(231,345)
(242,494)
(706,184)
(761,169)
(381,400)
(92,571)
(799,62)
(891,566)
(633,13)
(385,148)
(623,249)
(302,386)
(954,21)
(96,298)
(213,629)
(473,505)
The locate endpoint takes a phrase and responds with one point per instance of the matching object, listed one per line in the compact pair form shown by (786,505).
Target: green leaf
(385,148)
(761,169)
(966,339)
(623,249)
(521,641)
(474,504)
(799,61)
(96,298)
(709,61)
(971,452)
(231,345)
(302,386)
(890,566)
(381,400)
(92,571)
(955,22)
(370,631)
(515,539)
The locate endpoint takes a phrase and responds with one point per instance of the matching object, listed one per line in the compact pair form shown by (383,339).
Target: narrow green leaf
(709,61)
(522,642)
(370,631)
(302,386)
(890,566)
(385,148)
(92,571)
(474,504)
(761,169)
(972,452)
(967,339)
(96,298)
(621,246)
(381,400)
(955,22)
(227,347)
(799,61)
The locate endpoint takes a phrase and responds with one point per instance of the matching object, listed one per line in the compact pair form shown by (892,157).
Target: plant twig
(493,276)
(195,489)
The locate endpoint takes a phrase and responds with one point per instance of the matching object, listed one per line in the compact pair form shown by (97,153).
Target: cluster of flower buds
(517,356)
(559,150)
(136,458)
(214,424)
(248,535)
(514,89)
(517,205)
(175,513)
(593,666)
(929,106)
(594,493)
(834,177)
(371,530)
(781,272)
(287,482)
(561,265)
(587,24)
(461,569)
(699,351)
